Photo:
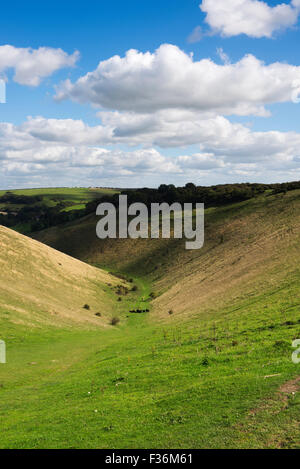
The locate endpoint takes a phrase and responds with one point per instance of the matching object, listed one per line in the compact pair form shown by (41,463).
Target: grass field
(216,373)
(138,385)
(74,193)
(76,197)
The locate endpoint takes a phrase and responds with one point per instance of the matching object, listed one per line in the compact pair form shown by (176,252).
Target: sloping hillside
(41,285)
(217,373)
(250,247)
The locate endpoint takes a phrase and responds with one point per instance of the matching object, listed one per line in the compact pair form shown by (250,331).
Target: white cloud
(171,79)
(66,131)
(169,128)
(39,153)
(32,65)
(223,56)
(164,129)
(251,17)
(196,35)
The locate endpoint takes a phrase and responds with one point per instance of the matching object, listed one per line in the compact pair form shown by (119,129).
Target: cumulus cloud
(251,17)
(170,79)
(170,128)
(39,152)
(66,131)
(32,65)
(165,129)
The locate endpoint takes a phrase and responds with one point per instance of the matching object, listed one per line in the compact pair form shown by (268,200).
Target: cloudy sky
(140,93)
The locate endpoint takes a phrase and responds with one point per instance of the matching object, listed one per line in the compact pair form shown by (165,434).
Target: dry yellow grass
(249,248)
(246,253)
(41,285)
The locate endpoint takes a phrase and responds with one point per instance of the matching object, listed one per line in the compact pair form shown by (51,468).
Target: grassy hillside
(52,196)
(39,285)
(216,373)
(28,210)
(246,246)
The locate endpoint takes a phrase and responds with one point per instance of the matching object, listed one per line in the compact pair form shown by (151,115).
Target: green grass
(72,198)
(77,197)
(74,207)
(209,379)
(72,192)
(173,386)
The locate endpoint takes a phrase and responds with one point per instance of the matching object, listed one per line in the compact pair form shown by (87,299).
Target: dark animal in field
(139,311)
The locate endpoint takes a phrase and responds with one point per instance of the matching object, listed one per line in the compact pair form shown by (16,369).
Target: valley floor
(208,384)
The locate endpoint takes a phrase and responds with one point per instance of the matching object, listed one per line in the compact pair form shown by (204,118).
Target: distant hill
(41,285)
(27,210)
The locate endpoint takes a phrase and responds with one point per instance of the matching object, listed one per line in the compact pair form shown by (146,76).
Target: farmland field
(51,196)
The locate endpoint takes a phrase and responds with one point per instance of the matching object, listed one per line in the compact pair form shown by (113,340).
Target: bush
(114,320)
(119,299)
(134,288)
(205,362)
(86,307)
(121,290)
(98,314)
(171,312)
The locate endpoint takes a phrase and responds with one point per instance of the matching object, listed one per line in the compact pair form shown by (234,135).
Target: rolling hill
(41,285)
(250,247)
(209,367)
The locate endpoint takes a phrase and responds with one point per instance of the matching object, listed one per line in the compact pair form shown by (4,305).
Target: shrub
(114,320)
(121,290)
(86,307)
(119,299)
(171,312)
(205,361)
(98,314)
(134,288)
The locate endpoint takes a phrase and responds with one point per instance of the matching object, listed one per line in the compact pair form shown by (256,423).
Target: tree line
(212,196)
(41,216)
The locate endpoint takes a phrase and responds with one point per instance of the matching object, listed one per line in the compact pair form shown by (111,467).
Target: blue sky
(157,115)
